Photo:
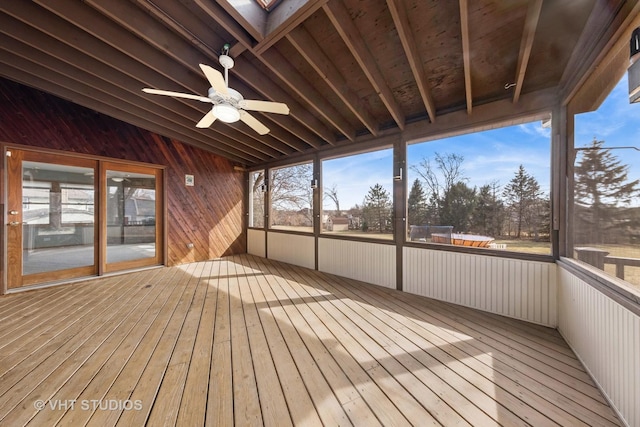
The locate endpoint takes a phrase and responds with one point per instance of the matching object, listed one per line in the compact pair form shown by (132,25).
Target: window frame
(399,143)
(268,226)
(551,256)
(358,237)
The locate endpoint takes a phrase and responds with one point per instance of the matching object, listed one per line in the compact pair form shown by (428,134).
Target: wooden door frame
(100,265)
(14,243)
(159,224)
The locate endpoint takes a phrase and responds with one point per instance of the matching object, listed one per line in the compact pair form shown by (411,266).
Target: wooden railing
(621,262)
(598,258)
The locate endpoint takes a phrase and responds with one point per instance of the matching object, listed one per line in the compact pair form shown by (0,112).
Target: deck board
(469,370)
(248,341)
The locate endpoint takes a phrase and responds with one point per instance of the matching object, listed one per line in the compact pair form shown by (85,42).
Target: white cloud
(535,129)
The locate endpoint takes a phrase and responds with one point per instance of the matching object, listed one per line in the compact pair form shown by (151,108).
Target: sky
(494,155)
(617,123)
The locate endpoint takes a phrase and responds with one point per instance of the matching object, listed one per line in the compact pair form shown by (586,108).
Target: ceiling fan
(228,104)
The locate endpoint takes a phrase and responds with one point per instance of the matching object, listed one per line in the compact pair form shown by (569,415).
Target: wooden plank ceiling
(351,71)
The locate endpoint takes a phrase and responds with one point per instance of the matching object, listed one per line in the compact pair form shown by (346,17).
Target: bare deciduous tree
(450,173)
(257,195)
(291,195)
(332,193)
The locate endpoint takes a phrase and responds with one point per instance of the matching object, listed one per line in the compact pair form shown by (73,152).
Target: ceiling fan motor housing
(233,98)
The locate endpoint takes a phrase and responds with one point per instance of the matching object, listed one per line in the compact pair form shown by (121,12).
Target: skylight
(268,5)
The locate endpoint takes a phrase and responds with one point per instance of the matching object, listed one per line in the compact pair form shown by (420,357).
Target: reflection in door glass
(131,216)
(58,217)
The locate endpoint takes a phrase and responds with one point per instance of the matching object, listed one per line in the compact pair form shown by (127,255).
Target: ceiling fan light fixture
(229,106)
(226,113)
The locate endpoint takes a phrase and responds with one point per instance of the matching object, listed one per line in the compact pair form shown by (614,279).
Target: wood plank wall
(369,262)
(294,249)
(606,338)
(209,214)
(525,290)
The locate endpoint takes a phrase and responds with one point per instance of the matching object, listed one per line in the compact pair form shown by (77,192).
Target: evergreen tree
(488,214)
(457,206)
(417,205)
(544,220)
(603,193)
(522,193)
(377,209)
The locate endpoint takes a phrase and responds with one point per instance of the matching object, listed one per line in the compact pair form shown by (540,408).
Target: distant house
(337,224)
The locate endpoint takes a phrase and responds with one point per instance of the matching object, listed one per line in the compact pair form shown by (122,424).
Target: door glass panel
(58,217)
(131,216)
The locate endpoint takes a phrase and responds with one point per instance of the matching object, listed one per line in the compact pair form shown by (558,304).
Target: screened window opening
(291,198)
(256,199)
(606,203)
(358,195)
(488,189)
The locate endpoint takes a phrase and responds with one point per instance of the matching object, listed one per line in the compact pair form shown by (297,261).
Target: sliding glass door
(132,216)
(51,234)
(72,217)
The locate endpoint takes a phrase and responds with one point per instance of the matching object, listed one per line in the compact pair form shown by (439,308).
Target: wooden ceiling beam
(341,20)
(200,34)
(154,69)
(217,14)
(75,82)
(124,40)
(532,106)
(599,83)
(62,59)
(279,66)
(528,35)
(284,136)
(282,20)
(88,45)
(251,17)
(605,24)
(401,21)
(105,41)
(174,14)
(466,53)
(250,73)
(77,96)
(130,17)
(311,51)
(269,27)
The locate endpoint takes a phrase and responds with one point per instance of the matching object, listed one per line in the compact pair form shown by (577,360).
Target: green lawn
(527,246)
(632,274)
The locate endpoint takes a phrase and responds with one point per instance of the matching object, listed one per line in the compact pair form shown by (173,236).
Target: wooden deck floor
(247,341)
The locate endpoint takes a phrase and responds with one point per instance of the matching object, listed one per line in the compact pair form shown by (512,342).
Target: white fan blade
(207,120)
(264,106)
(253,123)
(215,79)
(176,94)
